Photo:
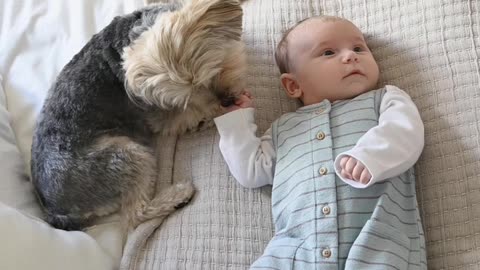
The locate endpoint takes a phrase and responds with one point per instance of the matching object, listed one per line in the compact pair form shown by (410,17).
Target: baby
(343,189)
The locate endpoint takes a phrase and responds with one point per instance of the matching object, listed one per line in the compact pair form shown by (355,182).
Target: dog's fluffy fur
(164,69)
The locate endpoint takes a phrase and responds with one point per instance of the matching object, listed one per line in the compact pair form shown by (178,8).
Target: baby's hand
(244,101)
(354,170)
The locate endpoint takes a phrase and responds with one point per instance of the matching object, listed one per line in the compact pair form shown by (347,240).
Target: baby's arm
(249,158)
(393,146)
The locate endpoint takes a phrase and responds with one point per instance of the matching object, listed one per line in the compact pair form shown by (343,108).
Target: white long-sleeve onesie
(387,150)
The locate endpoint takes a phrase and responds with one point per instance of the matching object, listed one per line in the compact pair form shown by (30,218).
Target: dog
(165,69)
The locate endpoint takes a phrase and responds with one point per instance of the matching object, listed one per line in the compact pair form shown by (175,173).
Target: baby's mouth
(354,72)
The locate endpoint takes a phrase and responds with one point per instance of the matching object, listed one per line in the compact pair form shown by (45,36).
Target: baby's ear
(290,85)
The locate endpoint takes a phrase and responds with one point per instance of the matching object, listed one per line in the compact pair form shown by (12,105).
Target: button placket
(322,136)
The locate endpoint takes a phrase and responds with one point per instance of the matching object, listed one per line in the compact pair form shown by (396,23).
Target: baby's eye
(357,49)
(328,52)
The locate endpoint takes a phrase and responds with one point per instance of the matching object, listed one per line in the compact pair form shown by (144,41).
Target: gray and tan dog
(166,69)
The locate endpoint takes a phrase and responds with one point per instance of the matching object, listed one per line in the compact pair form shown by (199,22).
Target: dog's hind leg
(139,201)
(76,187)
(115,173)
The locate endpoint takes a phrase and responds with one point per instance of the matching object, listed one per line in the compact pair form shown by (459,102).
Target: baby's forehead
(328,23)
(324,29)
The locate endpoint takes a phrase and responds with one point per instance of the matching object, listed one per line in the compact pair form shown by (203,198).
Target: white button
(326,253)
(319,111)
(320,135)
(323,171)
(326,210)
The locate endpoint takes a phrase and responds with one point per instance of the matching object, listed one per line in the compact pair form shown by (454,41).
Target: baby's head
(325,57)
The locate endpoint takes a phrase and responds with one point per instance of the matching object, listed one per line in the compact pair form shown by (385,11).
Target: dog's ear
(183,52)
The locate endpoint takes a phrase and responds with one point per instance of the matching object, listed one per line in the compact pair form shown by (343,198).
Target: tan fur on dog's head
(188,61)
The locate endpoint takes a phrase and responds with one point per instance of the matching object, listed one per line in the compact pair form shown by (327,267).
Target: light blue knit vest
(320,221)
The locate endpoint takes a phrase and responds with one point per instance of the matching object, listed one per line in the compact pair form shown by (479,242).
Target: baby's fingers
(357,171)
(365,176)
(343,161)
(350,164)
(345,174)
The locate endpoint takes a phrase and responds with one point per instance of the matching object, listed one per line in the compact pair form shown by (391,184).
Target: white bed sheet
(37,38)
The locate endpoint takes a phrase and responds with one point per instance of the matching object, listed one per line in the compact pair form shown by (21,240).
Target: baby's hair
(281,52)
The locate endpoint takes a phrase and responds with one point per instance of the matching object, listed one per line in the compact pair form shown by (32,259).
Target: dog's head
(192,58)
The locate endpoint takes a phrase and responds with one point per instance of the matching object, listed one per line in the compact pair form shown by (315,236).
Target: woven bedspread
(429,48)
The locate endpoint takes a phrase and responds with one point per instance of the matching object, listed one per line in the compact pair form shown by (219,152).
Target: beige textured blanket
(429,48)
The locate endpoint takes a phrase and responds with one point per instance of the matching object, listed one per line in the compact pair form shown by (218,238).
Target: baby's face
(331,60)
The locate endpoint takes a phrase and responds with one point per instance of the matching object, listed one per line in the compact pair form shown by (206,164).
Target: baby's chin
(348,93)
(357,88)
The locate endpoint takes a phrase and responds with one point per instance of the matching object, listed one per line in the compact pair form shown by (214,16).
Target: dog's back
(91,141)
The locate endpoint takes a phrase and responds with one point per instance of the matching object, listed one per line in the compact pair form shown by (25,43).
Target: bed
(429,48)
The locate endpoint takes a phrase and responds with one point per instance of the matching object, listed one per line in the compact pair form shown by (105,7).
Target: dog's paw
(176,194)
(185,191)
(185,188)
(182,204)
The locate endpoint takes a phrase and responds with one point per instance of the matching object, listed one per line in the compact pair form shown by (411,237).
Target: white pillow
(15,187)
(28,243)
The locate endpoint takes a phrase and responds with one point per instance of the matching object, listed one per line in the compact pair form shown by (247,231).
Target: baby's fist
(354,170)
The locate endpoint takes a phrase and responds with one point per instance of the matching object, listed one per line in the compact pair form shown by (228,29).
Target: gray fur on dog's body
(88,100)
(93,149)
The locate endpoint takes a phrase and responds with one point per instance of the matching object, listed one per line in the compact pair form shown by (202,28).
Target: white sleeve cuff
(233,121)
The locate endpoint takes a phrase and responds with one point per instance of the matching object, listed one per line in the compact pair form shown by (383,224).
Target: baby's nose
(350,56)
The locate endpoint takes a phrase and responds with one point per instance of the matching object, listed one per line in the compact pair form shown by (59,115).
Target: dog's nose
(227,101)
